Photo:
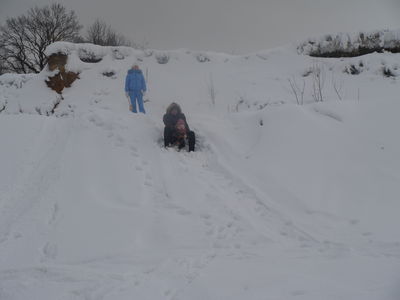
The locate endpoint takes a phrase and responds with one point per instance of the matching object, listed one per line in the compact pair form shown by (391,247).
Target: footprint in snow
(298,293)
(205,216)
(354,222)
(50,251)
(17,235)
(96,120)
(184,212)
(367,233)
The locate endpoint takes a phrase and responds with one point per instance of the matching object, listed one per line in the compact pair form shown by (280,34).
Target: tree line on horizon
(23,39)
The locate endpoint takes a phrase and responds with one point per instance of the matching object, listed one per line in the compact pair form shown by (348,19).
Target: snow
(281,201)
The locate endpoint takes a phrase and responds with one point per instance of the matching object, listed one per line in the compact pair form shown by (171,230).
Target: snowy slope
(281,201)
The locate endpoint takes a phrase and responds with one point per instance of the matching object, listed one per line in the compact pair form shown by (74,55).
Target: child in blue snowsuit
(135,86)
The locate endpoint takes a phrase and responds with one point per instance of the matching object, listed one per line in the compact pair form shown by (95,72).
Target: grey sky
(238,26)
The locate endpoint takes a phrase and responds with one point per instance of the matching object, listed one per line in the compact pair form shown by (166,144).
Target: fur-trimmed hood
(172,106)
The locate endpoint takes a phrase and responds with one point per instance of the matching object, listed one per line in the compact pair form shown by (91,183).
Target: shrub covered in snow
(354,69)
(350,45)
(117,54)
(202,58)
(110,74)
(15,80)
(90,52)
(148,52)
(162,58)
(89,56)
(388,71)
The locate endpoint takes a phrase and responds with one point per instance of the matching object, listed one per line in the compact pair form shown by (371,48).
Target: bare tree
(143,45)
(25,38)
(100,33)
(79,40)
(96,33)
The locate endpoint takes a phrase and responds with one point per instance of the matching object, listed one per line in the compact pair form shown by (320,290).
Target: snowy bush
(202,58)
(162,58)
(389,72)
(89,56)
(90,52)
(117,54)
(110,74)
(353,69)
(350,45)
(15,80)
(148,52)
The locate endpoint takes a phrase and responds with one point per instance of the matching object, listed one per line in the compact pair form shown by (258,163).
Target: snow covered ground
(281,201)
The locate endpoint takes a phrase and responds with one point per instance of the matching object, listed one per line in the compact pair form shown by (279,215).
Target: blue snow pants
(137,96)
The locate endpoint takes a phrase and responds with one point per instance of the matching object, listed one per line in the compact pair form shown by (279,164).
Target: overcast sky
(235,26)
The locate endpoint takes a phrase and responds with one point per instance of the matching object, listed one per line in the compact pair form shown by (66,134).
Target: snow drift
(281,201)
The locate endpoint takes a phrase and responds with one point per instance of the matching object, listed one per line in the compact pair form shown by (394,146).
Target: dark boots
(170,138)
(192,140)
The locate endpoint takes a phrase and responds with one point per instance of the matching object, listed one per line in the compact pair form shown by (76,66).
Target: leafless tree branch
(100,33)
(24,39)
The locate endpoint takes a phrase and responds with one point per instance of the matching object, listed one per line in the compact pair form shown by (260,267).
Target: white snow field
(280,201)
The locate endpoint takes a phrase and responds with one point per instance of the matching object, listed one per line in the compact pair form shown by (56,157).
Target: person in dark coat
(135,86)
(176,129)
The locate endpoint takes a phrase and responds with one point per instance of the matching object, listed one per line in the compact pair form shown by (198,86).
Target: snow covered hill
(281,200)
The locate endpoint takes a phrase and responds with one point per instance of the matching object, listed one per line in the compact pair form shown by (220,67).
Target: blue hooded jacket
(135,81)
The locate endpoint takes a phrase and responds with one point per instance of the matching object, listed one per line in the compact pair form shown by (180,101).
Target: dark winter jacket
(135,81)
(170,120)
